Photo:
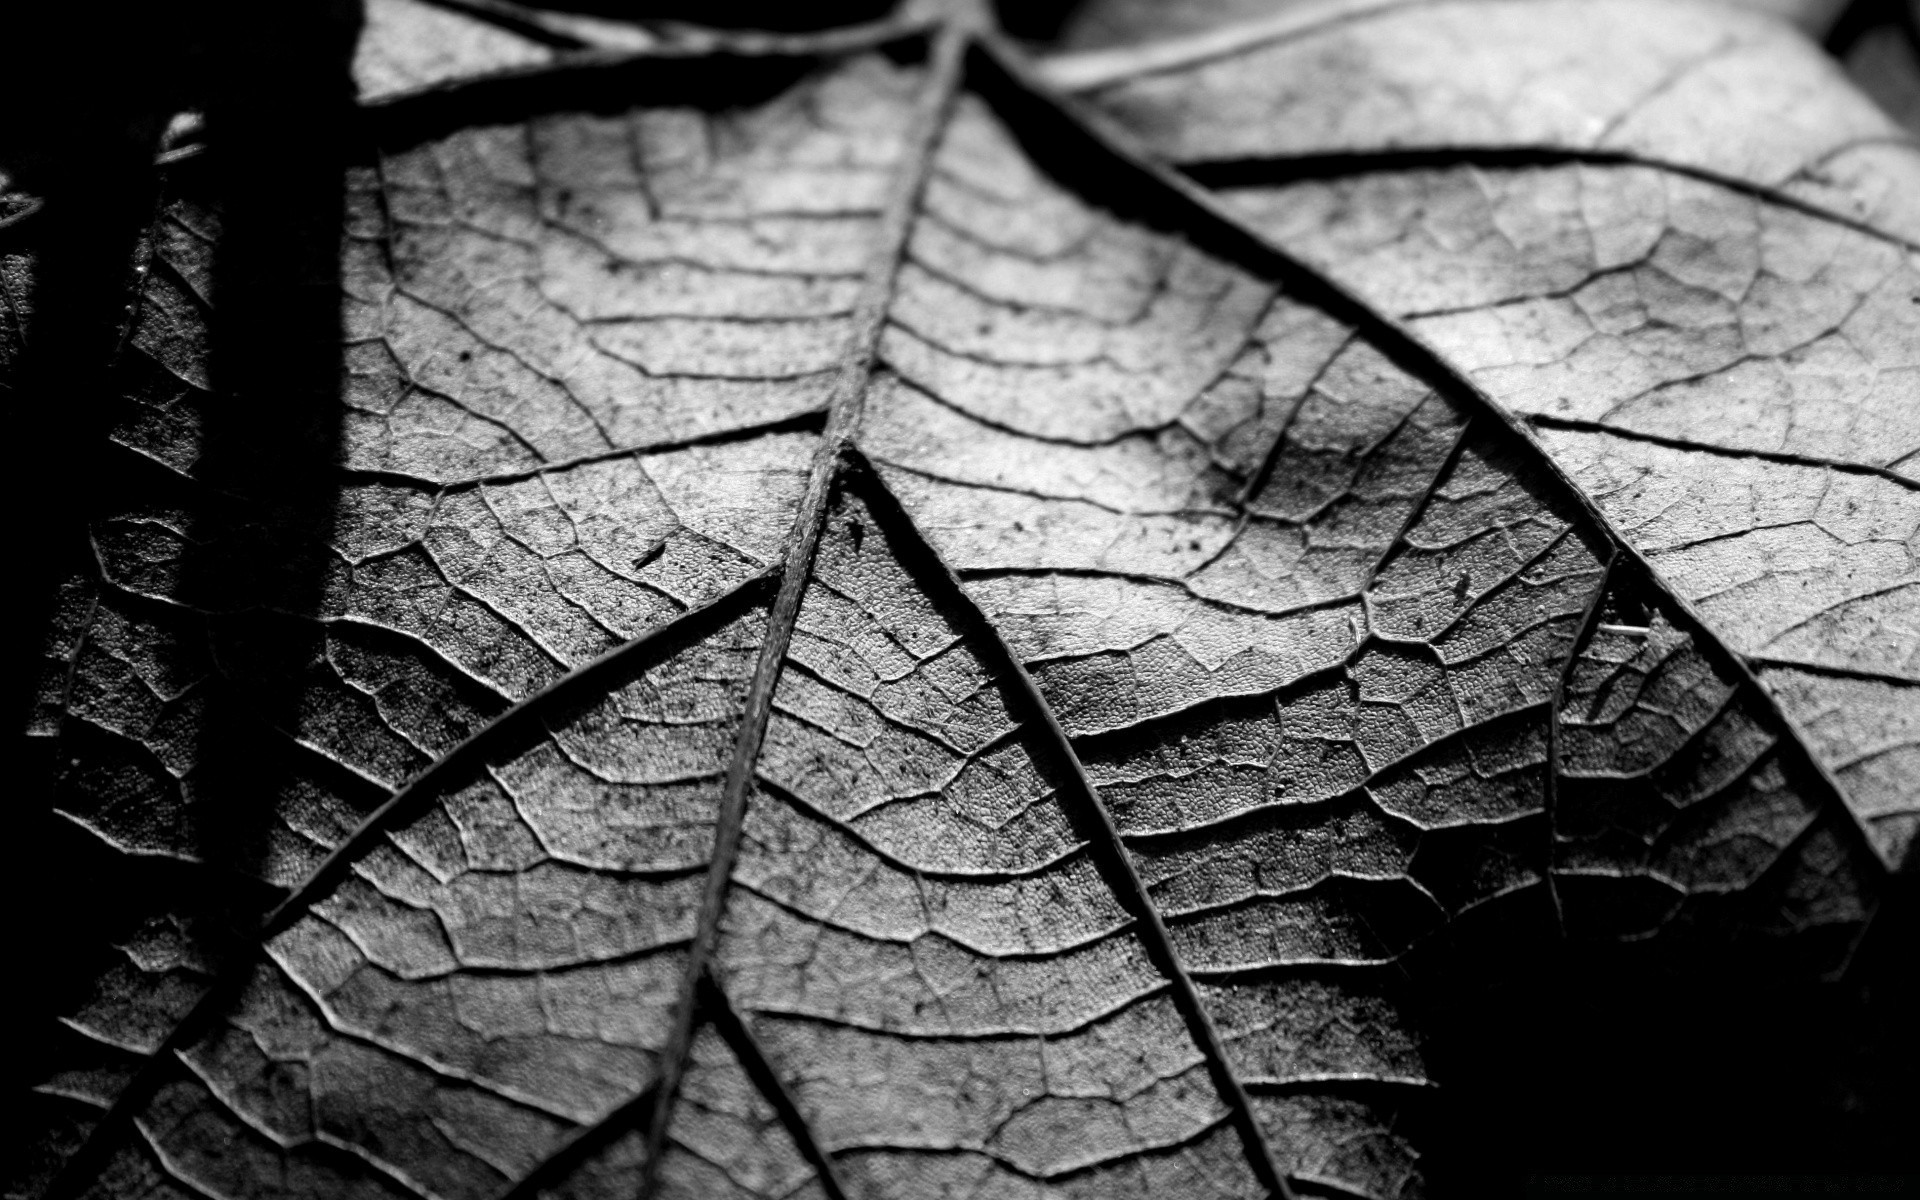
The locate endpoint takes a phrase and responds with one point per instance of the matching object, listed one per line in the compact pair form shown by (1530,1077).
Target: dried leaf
(842,634)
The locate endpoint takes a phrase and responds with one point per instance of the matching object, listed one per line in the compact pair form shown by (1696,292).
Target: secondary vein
(1418,357)
(1106,846)
(81,1167)
(843,421)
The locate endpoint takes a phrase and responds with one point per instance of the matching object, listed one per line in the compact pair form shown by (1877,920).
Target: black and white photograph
(962,600)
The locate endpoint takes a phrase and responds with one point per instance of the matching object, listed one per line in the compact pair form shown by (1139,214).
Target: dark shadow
(281,137)
(1038,21)
(274,85)
(86,156)
(1861,17)
(81,143)
(1578,1066)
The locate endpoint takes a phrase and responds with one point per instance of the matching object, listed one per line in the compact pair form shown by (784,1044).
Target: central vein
(847,406)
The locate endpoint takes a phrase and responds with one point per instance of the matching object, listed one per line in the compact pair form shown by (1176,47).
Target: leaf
(1708,332)
(843,635)
(1105,23)
(411,43)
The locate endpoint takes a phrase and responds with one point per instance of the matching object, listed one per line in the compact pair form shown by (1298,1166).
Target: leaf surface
(1708,331)
(842,635)
(1102,24)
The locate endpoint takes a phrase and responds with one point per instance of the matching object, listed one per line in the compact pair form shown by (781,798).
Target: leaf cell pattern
(863,642)
(1709,334)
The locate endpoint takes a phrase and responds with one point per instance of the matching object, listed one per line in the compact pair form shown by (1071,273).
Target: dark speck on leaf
(858,533)
(1461,585)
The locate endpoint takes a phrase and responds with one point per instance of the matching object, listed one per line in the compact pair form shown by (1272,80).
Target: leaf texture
(1708,332)
(410,43)
(843,635)
(1109,23)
